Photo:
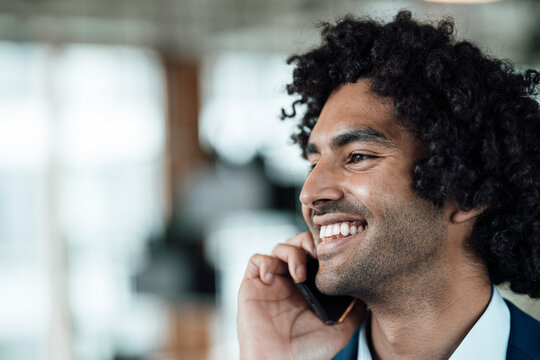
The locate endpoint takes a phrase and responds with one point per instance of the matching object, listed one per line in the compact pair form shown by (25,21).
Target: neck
(429,316)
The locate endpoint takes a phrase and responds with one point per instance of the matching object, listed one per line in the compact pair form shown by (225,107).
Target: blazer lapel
(524,341)
(350,352)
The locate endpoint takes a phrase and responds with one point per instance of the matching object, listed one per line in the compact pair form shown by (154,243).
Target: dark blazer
(523,343)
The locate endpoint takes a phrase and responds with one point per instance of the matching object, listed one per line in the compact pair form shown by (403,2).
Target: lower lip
(332,244)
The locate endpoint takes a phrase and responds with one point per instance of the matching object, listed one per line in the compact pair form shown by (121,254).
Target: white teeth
(328,231)
(344,229)
(340,228)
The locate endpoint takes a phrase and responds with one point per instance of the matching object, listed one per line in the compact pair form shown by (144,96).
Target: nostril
(320,202)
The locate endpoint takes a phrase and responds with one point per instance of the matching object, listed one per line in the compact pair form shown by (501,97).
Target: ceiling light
(461,1)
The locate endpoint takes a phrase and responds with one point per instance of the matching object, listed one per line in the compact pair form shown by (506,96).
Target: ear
(458,216)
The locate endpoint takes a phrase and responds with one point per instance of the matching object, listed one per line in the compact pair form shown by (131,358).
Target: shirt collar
(487,339)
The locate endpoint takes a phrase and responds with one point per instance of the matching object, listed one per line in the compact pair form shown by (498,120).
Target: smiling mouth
(341,230)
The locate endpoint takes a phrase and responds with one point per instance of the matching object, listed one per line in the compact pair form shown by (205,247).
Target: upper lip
(335,218)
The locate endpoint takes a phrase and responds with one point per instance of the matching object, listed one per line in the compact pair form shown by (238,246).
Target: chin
(330,284)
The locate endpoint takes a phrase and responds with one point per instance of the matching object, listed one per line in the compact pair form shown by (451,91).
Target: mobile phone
(330,309)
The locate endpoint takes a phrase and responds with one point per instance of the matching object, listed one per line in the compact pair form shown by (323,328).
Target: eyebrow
(367,135)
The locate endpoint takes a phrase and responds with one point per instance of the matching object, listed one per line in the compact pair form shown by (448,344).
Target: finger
(295,257)
(305,241)
(265,267)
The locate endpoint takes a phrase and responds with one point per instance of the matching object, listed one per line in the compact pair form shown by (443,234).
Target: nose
(321,186)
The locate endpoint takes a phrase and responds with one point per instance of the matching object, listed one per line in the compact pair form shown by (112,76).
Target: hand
(274,320)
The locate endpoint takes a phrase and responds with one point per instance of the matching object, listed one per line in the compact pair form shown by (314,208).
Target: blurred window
(243,93)
(81,159)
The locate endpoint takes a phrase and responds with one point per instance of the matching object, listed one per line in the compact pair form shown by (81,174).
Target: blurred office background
(142,162)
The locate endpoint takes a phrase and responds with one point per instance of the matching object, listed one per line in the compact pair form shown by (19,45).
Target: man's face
(371,229)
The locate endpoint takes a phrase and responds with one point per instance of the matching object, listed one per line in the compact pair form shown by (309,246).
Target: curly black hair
(477,117)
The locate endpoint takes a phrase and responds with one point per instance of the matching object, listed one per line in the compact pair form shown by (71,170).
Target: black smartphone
(330,309)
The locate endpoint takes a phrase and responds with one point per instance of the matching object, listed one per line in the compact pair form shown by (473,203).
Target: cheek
(381,187)
(362,190)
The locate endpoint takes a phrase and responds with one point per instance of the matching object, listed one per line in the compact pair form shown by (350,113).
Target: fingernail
(300,272)
(268,277)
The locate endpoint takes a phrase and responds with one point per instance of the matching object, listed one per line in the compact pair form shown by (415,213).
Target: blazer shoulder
(524,341)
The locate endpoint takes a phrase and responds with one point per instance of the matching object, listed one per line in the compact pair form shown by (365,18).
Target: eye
(312,166)
(355,158)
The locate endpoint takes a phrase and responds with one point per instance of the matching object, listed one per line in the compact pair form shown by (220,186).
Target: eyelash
(363,156)
(350,159)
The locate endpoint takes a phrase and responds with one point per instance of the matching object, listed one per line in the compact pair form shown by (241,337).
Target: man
(429,151)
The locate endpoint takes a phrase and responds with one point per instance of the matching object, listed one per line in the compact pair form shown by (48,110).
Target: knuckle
(280,247)
(255,258)
(299,238)
(258,259)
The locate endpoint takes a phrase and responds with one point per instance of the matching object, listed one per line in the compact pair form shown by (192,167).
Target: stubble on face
(403,243)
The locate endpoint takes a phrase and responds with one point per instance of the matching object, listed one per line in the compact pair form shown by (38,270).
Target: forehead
(353,107)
